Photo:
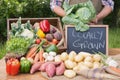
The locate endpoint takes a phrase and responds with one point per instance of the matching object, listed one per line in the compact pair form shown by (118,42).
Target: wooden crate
(53,21)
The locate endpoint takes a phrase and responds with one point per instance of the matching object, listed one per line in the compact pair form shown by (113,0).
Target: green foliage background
(40,8)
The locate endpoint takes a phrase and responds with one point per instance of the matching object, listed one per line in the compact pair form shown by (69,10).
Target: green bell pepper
(25,66)
(52,47)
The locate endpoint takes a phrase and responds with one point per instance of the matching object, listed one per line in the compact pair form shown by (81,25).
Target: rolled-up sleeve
(53,3)
(108,3)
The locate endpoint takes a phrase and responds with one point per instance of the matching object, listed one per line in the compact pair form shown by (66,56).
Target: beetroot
(57,35)
(52,30)
(49,37)
(50,70)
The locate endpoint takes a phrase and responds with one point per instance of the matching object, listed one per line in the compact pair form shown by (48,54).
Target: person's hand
(94,21)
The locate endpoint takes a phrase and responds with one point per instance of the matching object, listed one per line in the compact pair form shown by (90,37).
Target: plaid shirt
(59,3)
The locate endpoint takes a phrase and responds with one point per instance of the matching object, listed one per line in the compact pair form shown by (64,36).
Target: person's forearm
(105,12)
(59,11)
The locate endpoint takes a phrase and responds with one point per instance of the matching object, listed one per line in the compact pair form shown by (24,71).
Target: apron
(96,3)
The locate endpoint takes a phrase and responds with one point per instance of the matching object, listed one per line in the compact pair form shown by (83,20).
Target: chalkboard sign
(95,39)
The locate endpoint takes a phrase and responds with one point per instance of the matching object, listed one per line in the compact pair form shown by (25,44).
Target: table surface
(37,75)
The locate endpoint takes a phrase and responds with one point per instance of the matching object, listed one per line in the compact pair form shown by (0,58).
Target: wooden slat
(114,51)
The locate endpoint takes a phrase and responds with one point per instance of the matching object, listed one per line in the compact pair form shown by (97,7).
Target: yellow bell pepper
(40,33)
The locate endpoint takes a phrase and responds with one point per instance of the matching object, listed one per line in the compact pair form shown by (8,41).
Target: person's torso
(97,3)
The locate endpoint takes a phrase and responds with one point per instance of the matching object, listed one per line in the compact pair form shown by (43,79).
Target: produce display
(40,54)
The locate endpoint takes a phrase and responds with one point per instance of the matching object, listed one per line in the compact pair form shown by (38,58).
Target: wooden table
(37,75)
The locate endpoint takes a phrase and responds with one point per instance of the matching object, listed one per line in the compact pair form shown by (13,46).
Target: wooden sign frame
(105,26)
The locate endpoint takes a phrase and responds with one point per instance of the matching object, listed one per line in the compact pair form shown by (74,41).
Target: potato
(88,59)
(69,64)
(70,73)
(64,56)
(96,65)
(85,54)
(88,64)
(75,64)
(72,54)
(96,57)
(81,63)
(78,58)
(82,66)
(76,68)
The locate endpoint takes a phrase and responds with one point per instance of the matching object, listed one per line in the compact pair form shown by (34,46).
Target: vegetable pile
(28,42)
(79,15)
(40,53)
(24,35)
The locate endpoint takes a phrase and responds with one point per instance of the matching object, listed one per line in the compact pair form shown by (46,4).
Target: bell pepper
(52,47)
(25,65)
(45,26)
(12,66)
(40,33)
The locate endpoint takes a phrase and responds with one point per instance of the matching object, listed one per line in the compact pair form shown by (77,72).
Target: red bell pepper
(45,26)
(12,66)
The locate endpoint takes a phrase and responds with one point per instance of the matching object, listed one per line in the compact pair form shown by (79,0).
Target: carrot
(113,70)
(33,55)
(41,58)
(36,59)
(31,51)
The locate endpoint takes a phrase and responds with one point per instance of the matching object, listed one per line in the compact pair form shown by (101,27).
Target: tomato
(55,41)
(37,41)
(12,66)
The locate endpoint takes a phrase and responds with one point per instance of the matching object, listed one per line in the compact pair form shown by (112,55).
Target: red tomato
(37,41)
(12,66)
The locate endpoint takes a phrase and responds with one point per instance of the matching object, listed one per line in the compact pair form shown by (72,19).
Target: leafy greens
(79,15)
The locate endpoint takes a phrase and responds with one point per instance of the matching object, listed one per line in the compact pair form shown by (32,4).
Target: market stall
(38,48)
